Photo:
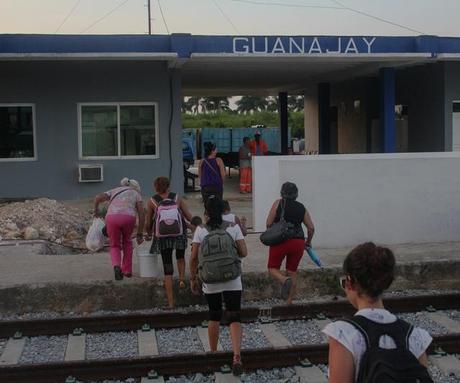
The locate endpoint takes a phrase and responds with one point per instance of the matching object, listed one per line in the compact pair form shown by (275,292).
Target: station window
(17,132)
(123,130)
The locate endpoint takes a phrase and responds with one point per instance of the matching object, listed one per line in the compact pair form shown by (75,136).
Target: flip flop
(286,288)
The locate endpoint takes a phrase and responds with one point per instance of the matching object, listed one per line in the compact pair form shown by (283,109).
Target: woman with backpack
(374,338)
(165,220)
(125,204)
(211,172)
(220,272)
(294,213)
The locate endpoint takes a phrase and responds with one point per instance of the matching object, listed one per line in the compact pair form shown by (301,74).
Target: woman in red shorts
(292,249)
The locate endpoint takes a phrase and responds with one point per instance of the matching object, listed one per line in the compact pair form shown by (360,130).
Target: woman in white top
(229,291)
(369,270)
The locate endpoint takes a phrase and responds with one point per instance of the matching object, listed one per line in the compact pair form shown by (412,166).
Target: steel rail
(129,322)
(179,364)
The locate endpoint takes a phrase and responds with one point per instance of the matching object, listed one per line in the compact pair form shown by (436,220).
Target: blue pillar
(387,109)
(324,116)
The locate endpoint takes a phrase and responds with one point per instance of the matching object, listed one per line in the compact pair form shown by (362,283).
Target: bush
(230,119)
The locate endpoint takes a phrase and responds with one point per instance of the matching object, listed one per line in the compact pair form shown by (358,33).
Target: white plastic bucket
(149,265)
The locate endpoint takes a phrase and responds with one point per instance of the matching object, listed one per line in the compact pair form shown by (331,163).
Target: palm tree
(217,104)
(295,103)
(272,104)
(193,104)
(249,104)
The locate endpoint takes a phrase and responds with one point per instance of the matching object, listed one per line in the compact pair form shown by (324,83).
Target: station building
(97,108)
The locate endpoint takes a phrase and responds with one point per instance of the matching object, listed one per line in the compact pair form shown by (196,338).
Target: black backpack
(380,365)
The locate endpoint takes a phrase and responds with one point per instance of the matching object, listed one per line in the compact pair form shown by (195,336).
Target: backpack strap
(399,331)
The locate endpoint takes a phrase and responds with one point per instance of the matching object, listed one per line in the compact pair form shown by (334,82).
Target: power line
(290,5)
(68,15)
(377,18)
(225,15)
(103,17)
(163,16)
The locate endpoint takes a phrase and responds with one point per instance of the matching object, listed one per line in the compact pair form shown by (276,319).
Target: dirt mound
(44,218)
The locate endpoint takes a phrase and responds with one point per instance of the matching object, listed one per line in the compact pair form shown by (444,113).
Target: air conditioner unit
(91,173)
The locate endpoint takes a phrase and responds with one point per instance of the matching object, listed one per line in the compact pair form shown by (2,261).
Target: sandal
(286,288)
(237,366)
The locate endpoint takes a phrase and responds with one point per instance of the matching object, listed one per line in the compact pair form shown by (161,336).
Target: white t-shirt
(234,284)
(347,335)
(228,217)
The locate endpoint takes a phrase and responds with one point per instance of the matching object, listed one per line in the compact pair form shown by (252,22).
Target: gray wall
(421,88)
(55,88)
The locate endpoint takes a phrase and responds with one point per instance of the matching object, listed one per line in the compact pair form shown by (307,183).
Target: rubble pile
(44,218)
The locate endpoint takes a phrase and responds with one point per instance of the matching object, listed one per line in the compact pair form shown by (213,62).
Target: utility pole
(150,19)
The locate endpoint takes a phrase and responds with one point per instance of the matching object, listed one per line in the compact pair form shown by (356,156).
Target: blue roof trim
(83,44)
(185,44)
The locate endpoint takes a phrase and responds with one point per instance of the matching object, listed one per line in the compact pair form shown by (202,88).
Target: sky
(233,17)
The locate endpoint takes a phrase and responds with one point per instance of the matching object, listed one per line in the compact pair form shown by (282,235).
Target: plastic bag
(95,239)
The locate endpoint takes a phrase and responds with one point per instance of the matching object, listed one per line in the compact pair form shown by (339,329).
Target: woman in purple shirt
(211,171)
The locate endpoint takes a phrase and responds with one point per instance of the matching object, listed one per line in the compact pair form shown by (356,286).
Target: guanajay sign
(303,45)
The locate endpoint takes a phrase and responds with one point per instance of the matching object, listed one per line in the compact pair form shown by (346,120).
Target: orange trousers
(246,180)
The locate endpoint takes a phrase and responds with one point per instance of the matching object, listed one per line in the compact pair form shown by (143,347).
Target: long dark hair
(214,209)
(208,148)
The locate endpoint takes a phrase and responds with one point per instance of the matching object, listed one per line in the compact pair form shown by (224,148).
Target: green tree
(250,104)
(216,104)
(295,103)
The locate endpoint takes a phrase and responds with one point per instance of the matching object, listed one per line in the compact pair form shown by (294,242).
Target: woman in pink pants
(125,204)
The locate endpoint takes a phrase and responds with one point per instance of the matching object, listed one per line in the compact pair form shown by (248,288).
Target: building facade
(114,102)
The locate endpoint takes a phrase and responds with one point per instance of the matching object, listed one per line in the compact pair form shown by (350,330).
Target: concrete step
(203,335)
(448,364)
(219,377)
(12,351)
(147,342)
(442,319)
(310,375)
(76,347)
(276,338)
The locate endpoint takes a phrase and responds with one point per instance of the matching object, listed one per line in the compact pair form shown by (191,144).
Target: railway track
(125,322)
(281,353)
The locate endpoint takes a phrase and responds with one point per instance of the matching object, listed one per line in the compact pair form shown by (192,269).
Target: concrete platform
(84,282)
(32,279)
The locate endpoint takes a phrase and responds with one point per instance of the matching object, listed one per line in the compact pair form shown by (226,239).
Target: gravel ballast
(300,332)
(44,349)
(253,337)
(179,340)
(439,377)
(421,320)
(196,378)
(270,376)
(111,345)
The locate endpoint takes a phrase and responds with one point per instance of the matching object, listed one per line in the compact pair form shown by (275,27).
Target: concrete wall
(422,89)
(387,198)
(55,88)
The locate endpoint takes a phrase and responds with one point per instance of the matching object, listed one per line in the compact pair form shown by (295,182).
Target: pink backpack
(168,218)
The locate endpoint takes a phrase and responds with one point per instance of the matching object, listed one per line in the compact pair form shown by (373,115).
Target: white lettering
(339,47)
(315,47)
(351,47)
(278,47)
(293,43)
(369,44)
(244,45)
(254,50)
